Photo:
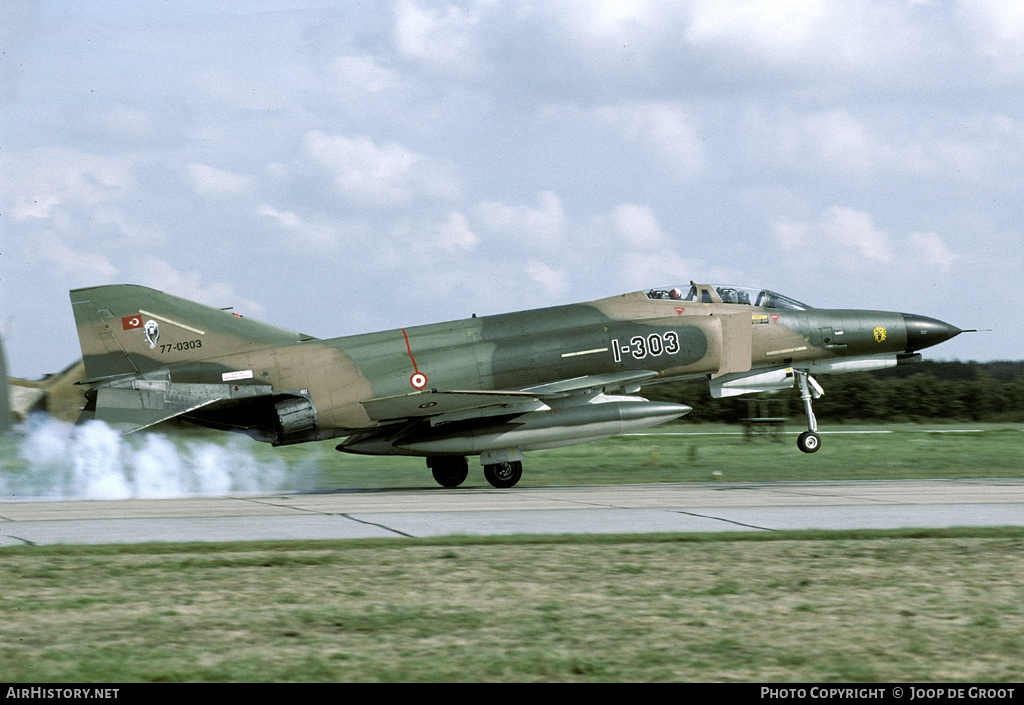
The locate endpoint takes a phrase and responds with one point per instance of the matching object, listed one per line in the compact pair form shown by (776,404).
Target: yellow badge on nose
(880,333)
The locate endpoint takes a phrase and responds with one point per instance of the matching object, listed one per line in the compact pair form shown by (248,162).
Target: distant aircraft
(493,386)
(5,399)
(56,394)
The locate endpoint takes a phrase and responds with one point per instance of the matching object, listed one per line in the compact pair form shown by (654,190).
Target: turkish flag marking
(129,322)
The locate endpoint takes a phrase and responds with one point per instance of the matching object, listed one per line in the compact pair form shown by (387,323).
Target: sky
(343,167)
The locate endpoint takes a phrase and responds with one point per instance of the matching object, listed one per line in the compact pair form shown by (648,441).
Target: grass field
(874,607)
(809,607)
(687,453)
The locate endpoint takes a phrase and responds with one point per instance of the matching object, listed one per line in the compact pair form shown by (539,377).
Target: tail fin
(128,329)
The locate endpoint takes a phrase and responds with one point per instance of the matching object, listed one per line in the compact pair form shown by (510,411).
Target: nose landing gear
(809,441)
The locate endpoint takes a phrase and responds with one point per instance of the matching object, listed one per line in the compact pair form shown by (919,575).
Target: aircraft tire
(503,475)
(449,472)
(808,442)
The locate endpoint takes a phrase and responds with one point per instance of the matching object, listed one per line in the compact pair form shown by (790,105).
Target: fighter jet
(493,387)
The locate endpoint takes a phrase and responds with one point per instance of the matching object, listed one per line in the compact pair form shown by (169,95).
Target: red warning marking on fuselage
(418,380)
(680,310)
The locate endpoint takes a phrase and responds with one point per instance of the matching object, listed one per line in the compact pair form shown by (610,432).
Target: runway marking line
(741,433)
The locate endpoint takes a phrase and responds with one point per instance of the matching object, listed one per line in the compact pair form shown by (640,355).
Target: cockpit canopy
(708,294)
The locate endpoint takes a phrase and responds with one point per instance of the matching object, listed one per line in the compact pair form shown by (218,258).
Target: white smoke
(94,461)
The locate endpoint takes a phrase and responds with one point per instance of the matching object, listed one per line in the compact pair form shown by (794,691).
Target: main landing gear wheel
(504,475)
(808,441)
(449,472)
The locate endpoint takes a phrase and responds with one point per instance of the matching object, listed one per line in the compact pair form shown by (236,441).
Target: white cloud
(379,176)
(618,19)
(998,29)
(217,182)
(791,234)
(164,276)
(255,85)
(545,226)
(854,230)
(608,38)
(846,239)
(827,47)
(57,175)
(67,263)
(779,27)
(127,227)
(455,234)
(126,122)
(302,233)
(624,248)
(553,282)
(638,227)
(364,86)
(664,129)
(638,270)
(838,141)
(932,250)
(842,143)
(78,194)
(39,207)
(362,74)
(444,39)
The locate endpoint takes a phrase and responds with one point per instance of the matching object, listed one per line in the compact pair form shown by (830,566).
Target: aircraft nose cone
(924,332)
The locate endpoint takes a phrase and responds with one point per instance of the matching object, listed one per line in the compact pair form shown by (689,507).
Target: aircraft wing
(478,402)
(429,403)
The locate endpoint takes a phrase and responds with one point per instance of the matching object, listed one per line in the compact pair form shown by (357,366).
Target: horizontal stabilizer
(120,409)
(134,404)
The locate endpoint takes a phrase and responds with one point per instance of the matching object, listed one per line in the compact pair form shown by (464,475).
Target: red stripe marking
(409,348)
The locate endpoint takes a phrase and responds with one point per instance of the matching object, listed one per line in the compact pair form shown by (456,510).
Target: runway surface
(430,512)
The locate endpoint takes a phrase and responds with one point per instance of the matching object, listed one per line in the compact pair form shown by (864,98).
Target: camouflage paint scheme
(494,386)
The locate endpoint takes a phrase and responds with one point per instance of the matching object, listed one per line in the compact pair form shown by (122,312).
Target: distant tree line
(926,391)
